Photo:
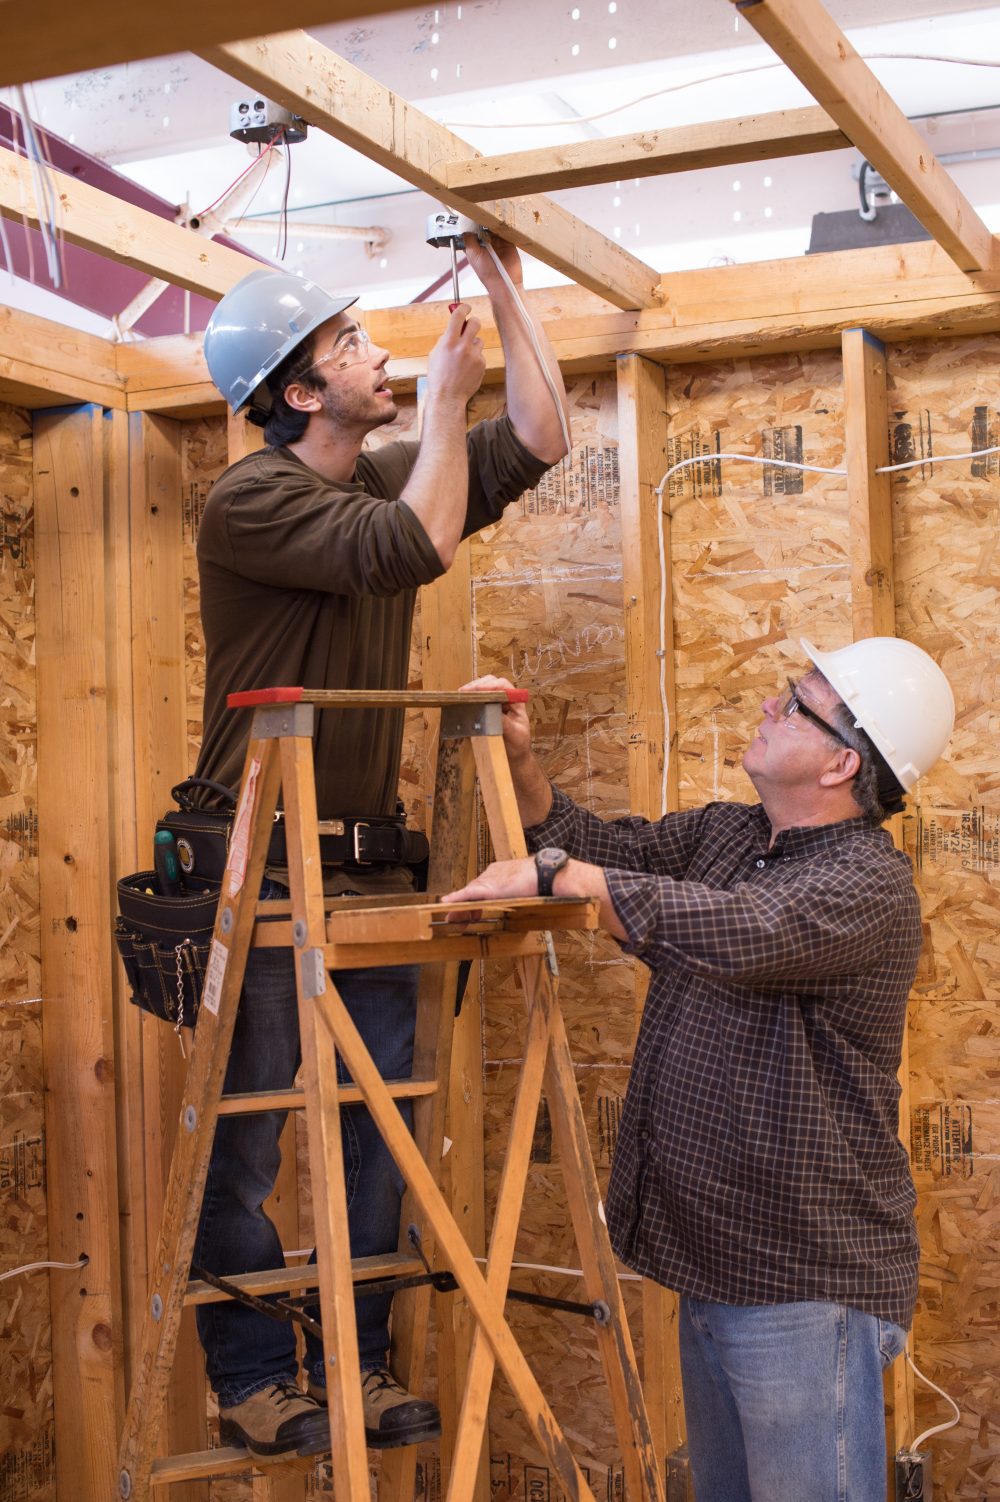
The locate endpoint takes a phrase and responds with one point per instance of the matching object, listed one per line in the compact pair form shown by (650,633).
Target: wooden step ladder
(354,933)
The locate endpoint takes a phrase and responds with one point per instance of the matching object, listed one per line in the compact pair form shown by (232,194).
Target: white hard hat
(257,325)
(898,695)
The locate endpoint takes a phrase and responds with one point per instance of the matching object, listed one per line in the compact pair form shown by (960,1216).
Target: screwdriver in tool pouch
(166,864)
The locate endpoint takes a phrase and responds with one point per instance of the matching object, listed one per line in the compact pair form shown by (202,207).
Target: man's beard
(356,409)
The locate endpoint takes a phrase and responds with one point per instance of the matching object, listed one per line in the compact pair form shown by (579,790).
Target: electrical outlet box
(913,1476)
(448,228)
(259,120)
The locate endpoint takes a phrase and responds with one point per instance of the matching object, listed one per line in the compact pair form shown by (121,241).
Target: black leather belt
(357,842)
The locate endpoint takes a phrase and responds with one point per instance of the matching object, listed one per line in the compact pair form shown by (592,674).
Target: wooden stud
(446,662)
(869,494)
(242,437)
(642,430)
(873,609)
(167,1287)
(293,69)
(160,759)
(75,826)
(650,153)
(125,858)
(642,440)
(810,42)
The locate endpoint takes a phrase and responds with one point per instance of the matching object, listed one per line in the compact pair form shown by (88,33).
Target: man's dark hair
(876,788)
(284,424)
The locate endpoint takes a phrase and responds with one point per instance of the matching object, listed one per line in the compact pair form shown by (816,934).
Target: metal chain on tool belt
(178,951)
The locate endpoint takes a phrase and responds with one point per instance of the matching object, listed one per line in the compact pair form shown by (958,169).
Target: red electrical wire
(266,152)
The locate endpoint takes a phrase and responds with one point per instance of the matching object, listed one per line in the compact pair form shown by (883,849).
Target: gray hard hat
(257,324)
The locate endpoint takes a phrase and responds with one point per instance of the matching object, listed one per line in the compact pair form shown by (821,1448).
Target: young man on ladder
(310,553)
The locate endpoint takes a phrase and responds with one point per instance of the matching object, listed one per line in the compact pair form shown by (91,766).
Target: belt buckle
(358,858)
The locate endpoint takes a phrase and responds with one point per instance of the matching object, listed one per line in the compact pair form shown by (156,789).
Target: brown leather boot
(277,1421)
(393,1416)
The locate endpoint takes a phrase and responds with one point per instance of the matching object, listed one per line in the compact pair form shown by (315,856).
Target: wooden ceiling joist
(810,42)
(650,153)
(897,291)
(97,221)
(52,37)
(334,96)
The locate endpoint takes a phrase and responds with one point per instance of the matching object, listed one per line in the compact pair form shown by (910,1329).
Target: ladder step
(252,1101)
(276,1280)
(198,1463)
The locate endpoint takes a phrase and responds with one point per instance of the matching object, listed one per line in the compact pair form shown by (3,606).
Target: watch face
(548,863)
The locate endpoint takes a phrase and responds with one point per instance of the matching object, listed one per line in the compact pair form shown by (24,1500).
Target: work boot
(277,1421)
(393,1416)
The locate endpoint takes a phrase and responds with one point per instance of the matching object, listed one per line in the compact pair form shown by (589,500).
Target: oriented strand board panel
(26,1422)
(943,399)
(759,554)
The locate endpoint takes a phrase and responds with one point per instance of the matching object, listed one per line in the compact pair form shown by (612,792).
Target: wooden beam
(75,880)
(334,96)
(100,222)
(58,36)
(813,46)
(650,153)
(898,291)
(44,364)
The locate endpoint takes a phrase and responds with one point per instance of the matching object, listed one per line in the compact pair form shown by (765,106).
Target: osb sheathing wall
(758,558)
(26,1421)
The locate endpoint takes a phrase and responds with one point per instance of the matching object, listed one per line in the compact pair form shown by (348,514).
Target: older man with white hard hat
(758,1170)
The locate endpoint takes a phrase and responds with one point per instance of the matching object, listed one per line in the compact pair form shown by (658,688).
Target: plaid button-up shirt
(758,1159)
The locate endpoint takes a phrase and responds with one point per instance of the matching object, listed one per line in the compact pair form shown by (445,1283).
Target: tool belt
(164,942)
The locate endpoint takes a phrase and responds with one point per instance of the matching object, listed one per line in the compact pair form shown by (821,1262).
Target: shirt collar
(811,838)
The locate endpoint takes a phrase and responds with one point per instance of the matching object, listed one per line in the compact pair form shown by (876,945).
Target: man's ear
(301,399)
(843,767)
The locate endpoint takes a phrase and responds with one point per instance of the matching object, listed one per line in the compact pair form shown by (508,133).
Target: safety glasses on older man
(790,703)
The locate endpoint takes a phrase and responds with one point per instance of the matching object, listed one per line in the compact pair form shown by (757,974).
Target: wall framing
(708,323)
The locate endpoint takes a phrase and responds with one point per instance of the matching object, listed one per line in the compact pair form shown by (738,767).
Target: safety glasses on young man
(349,349)
(790,704)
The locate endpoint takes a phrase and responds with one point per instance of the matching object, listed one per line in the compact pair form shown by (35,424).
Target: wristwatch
(547,863)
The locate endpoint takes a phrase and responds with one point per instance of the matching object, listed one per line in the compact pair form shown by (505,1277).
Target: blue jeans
(784,1401)
(244,1350)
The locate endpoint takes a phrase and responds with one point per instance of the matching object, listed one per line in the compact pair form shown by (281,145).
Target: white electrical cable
(938,1428)
(692,83)
(568,1272)
(30,1267)
(45,196)
(891,469)
(542,362)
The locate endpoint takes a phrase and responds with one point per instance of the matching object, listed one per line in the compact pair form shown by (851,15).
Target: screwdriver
(167,865)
